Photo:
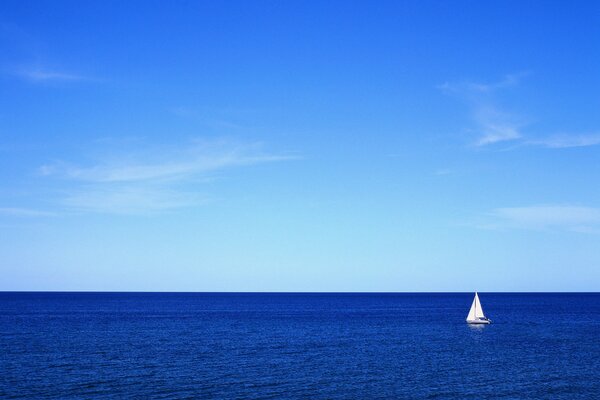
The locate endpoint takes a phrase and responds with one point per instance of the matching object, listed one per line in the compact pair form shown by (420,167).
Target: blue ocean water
(292,346)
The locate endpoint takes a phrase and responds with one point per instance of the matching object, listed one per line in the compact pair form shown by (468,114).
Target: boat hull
(479,322)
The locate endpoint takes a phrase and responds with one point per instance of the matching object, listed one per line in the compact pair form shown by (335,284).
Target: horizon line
(294,292)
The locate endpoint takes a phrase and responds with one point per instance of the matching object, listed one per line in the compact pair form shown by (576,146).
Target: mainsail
(476,311)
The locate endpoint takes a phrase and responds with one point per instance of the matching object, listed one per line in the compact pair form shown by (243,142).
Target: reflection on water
(477,327)
(476,332)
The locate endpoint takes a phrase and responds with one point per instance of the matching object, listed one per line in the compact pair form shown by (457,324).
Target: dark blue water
(291,346)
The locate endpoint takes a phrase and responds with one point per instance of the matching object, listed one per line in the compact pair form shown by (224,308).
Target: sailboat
(476,315)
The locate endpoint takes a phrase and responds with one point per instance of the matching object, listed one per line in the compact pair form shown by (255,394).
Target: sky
(300,146)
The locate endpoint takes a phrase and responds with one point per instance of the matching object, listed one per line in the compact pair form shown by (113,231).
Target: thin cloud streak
(151,181)
(469,88)
(496,126)
(42,75)
(546,217)
(443,172)
(24,212)
(167,171)
(130,199)
(497,133)
(567,141)
(493,125)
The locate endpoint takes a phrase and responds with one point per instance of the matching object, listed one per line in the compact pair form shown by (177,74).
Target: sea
(298,346)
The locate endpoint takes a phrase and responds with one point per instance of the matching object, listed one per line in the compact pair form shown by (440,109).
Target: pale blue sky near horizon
(300,146)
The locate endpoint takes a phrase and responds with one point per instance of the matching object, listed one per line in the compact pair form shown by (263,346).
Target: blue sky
(300,146)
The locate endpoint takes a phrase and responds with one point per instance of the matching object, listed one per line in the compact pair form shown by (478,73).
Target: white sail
(476,310)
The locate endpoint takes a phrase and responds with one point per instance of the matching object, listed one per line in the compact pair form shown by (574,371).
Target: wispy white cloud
(151,180)
(492,124)
(227,119)
(130,199)
(24,212)
(167,165)
(443,171)
(546,217)
(45,75)
(494,133)
(566,141)
(469,88)
(495,126)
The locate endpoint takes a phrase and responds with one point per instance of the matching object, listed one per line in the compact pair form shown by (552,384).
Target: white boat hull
(479,322)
